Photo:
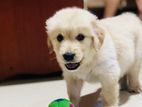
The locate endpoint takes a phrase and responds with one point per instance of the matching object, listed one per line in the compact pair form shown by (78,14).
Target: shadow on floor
(93,99)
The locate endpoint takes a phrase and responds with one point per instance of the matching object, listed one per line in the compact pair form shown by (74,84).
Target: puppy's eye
(60,37)
(80,37)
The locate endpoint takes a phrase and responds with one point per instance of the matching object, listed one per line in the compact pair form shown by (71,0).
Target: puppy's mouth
(72,66)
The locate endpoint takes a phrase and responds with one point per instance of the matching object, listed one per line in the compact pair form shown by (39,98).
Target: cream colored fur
(111,49)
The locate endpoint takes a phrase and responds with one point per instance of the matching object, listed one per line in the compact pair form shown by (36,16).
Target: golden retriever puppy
(88,49)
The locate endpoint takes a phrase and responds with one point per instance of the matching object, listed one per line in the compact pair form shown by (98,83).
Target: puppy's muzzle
(69,56)
(70,64)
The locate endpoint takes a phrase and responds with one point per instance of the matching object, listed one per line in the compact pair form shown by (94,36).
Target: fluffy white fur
(111,49)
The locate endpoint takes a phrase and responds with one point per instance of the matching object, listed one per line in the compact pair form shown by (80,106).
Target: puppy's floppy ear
(98,37)
(49,44)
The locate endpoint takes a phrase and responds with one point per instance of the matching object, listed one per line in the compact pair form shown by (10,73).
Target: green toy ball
(61,103)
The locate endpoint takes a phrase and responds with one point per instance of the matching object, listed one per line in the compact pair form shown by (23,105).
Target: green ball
(61,103)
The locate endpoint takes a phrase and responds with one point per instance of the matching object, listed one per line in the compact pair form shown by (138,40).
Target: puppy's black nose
(69,56)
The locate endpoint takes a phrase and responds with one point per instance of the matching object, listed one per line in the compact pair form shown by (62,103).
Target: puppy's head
(75,37)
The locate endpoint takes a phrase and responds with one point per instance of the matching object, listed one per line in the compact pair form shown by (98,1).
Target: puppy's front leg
(74,86)
(110,92)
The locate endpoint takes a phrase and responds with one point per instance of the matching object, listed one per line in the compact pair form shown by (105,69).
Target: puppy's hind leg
(133,78)
(134,73)
(74,87)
